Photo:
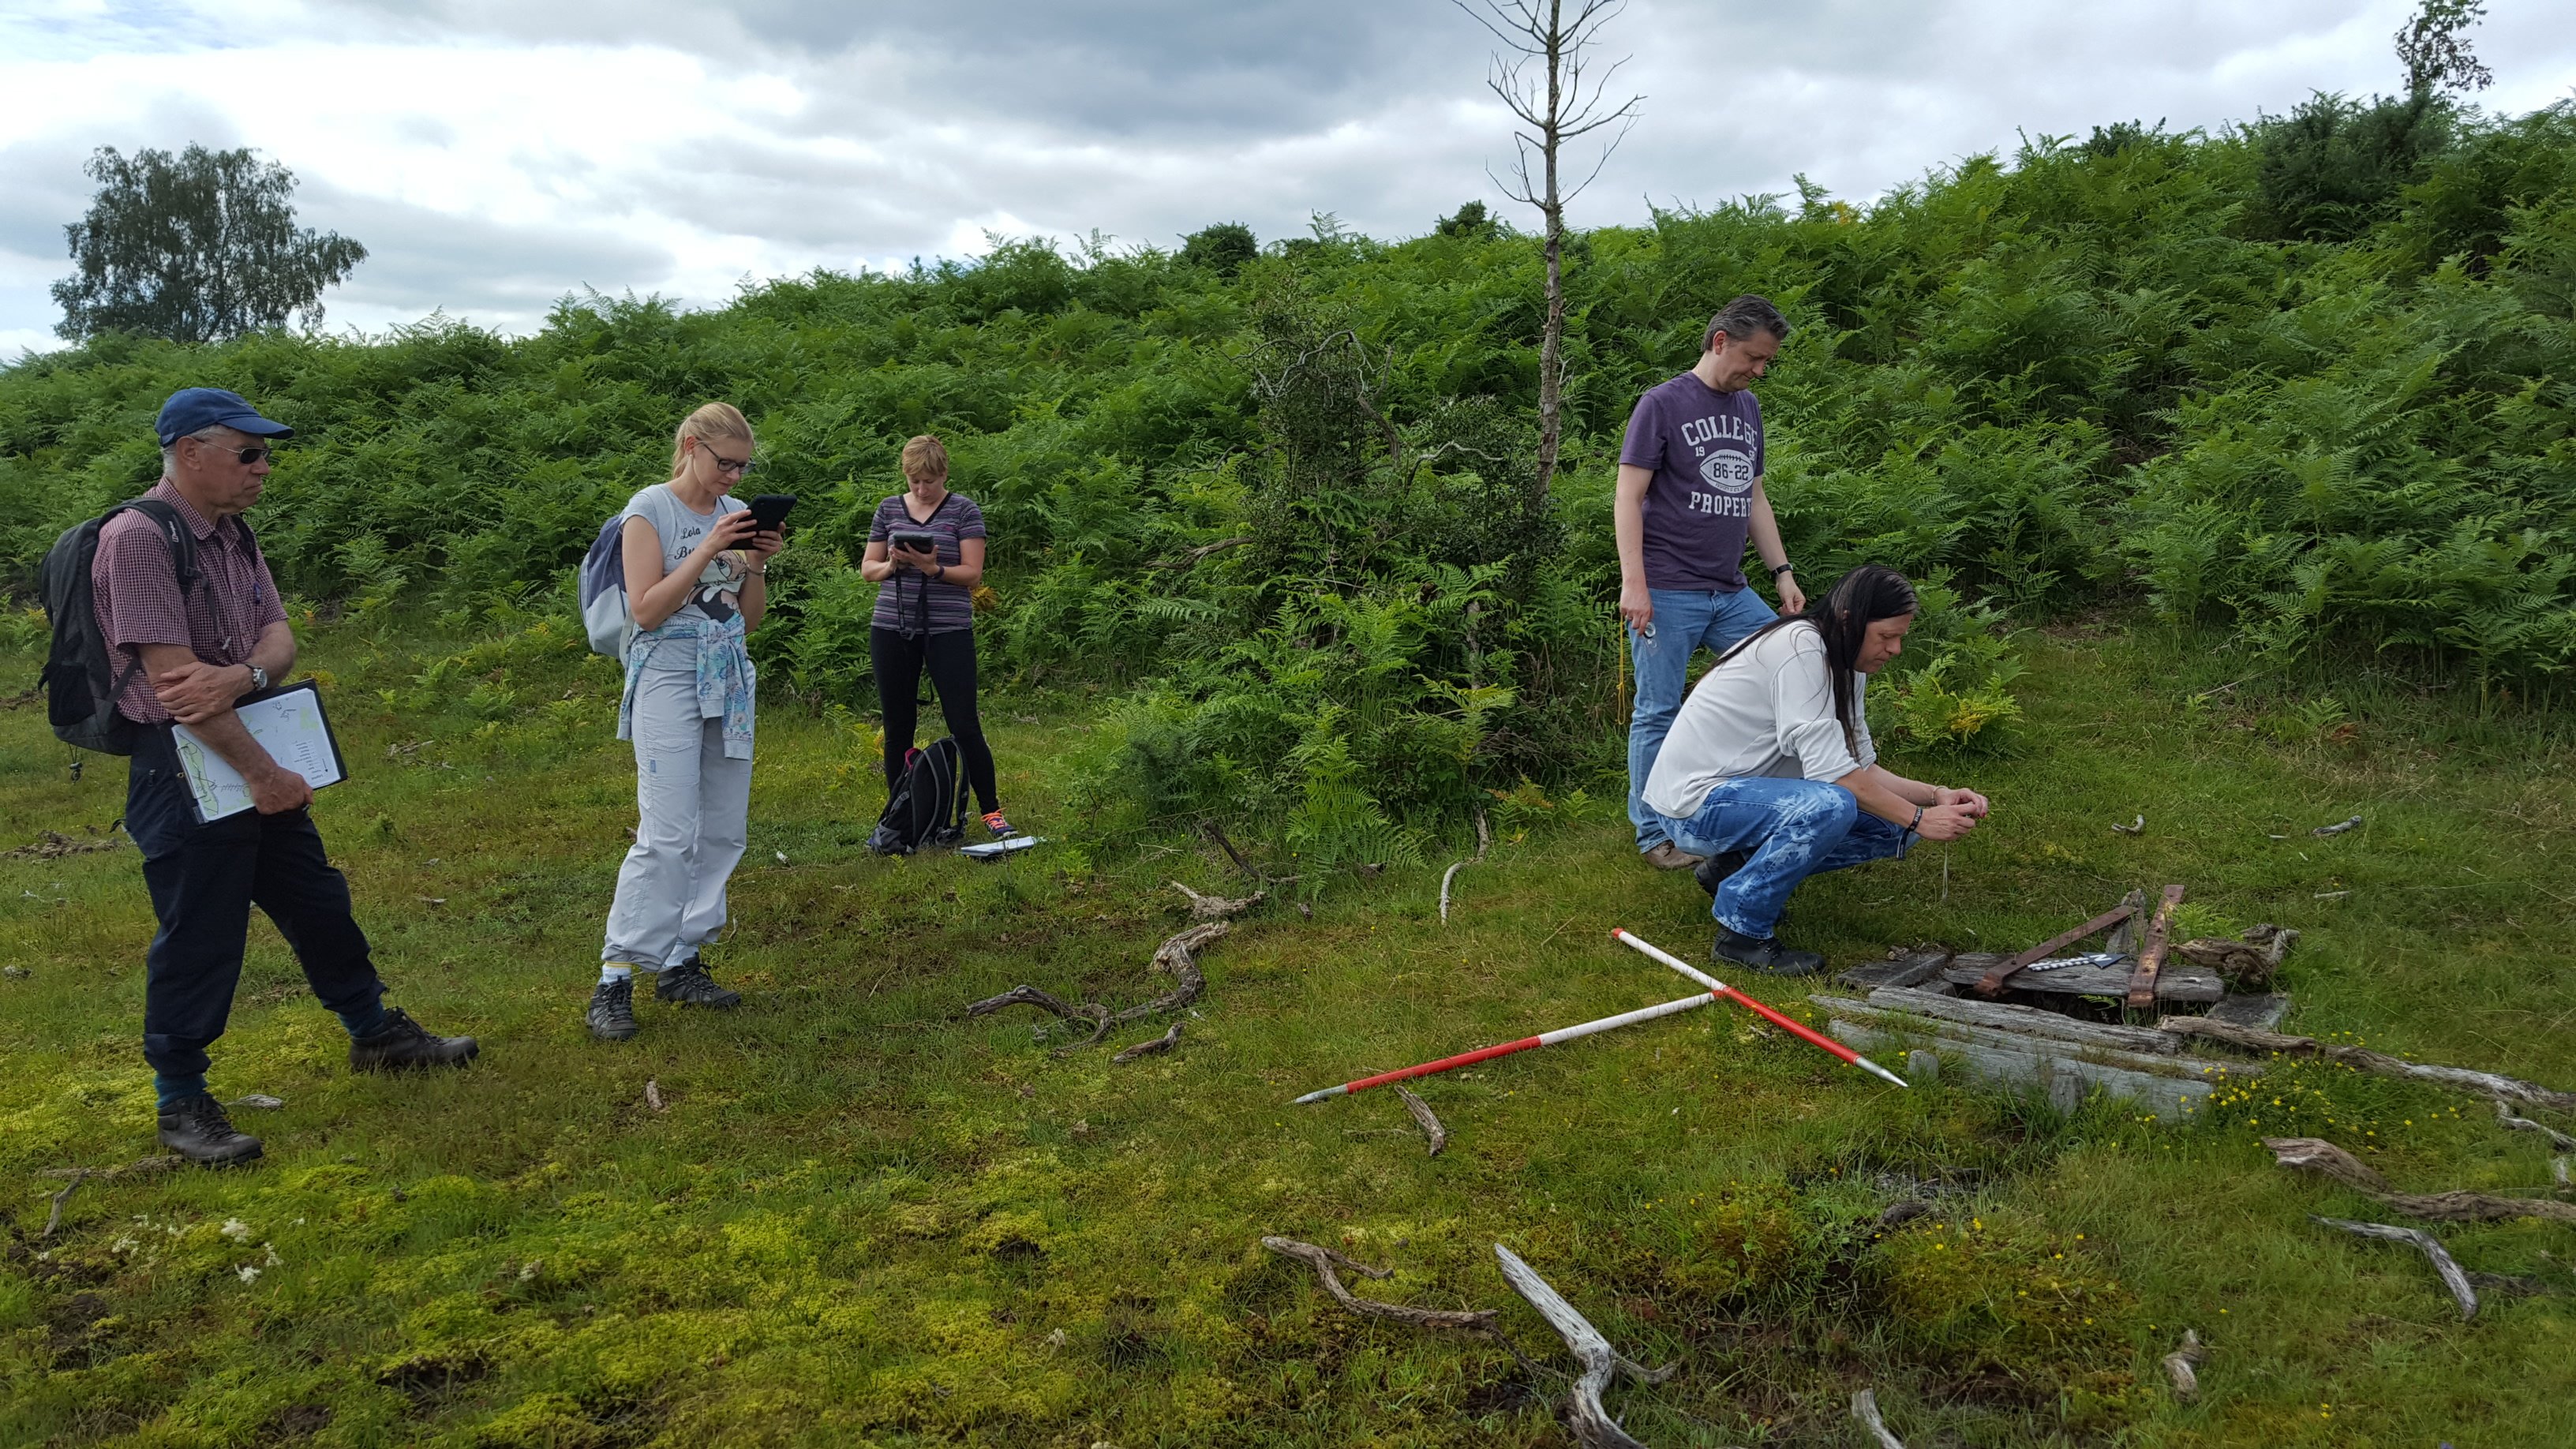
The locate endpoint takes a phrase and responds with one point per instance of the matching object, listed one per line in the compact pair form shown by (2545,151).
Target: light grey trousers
(694,807)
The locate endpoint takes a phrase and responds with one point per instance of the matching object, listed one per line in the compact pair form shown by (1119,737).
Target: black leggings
(951,657)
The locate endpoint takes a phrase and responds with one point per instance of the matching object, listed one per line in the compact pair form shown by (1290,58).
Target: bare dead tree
(1544,75)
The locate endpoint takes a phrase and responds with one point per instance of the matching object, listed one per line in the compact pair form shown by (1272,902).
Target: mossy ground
(862,1219)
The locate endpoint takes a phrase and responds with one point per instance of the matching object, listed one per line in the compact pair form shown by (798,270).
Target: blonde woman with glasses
(696,583)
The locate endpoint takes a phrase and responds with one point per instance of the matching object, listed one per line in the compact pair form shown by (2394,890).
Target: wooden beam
(2151,957)
(2028,1020)
(1992,983)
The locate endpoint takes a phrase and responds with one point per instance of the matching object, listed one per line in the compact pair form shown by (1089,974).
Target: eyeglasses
(737,466)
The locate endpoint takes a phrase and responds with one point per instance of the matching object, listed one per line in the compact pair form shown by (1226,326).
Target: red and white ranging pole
(1527,1043)
(1720,988)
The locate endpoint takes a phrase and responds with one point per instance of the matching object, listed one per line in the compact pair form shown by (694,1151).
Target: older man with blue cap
(186,655)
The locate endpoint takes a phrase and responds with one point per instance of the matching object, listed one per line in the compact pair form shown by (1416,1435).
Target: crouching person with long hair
(1769,770)
(696,583)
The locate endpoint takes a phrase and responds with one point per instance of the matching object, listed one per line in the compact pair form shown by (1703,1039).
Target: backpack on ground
(81,678)
(604,610)
(927,808)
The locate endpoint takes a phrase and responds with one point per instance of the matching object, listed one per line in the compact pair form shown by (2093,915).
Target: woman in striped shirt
(926,551)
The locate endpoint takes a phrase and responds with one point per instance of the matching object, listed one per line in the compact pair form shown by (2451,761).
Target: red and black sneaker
(1002,829)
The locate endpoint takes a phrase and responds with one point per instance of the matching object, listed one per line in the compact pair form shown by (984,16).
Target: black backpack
(927,808)
(81,680)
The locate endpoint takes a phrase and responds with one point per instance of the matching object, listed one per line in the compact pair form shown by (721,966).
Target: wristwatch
(258,679)
(1778,569)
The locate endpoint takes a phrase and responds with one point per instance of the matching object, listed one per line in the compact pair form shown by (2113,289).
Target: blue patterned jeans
(1794,828)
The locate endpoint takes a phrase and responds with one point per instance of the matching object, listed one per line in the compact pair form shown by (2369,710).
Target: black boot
(1712,872)
(402,1044)
(197,1129)
(612,1010)
(688,984)
(1765,954)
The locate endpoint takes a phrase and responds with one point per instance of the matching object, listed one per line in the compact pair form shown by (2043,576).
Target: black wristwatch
(1778,569)
(1915,826)
(258,678)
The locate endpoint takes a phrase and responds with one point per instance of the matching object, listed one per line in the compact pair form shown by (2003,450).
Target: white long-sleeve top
(1767,711)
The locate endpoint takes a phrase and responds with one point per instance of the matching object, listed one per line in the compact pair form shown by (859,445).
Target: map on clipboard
(288,723)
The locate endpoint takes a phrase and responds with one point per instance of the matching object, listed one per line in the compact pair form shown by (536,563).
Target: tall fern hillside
(2244,380)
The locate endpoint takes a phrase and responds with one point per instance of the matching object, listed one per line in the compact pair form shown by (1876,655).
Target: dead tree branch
(2257,1042)
(1217,908)
(1423,1118)
(1473,1322)
(1544,77)
(2183,1367)
(1593,1427)
(54,1219)
(2558,1141)
(1865,1409)
(2443,1263)
(2313,1154)
(1158,1045)
(1175,956)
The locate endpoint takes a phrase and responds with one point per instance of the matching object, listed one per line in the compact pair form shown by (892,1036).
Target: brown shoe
(1668,856)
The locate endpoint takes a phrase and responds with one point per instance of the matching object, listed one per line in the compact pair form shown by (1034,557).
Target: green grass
(863,1219)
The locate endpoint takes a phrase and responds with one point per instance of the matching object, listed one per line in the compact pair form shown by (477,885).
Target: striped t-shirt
(900,599)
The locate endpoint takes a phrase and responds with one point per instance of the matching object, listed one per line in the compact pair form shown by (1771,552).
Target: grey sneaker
(612,1010)
(1668,856)
(688,984)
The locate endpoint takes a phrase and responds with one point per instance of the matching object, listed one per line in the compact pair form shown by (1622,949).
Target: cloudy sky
(497,154)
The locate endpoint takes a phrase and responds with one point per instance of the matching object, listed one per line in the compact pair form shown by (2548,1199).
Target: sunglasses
(244,456)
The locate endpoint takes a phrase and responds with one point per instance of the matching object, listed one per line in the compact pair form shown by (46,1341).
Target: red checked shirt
(135,585)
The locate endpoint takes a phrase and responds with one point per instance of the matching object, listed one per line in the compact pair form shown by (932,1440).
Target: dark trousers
(950,657)
(204,880)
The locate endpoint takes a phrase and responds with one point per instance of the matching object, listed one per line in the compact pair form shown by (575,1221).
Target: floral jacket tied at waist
(725,677)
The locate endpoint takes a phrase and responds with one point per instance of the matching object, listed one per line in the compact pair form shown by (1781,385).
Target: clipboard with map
(288,722)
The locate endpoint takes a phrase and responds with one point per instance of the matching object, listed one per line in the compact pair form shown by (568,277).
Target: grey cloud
(496,273)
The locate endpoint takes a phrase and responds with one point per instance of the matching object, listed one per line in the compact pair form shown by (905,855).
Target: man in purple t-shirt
(1690,494)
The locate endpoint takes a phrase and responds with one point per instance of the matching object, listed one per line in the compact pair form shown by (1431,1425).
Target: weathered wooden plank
(1910,970)
(2151,957)
(2002,1057)
(2177,982)
(2029,1020)
(1992,983)
(1940,1032)
(2260,1013)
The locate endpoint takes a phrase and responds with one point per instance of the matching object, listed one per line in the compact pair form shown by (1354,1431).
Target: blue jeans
(1794,828)
(1685,620)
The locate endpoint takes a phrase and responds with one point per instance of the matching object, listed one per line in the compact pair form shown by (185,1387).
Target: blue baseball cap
(194,409)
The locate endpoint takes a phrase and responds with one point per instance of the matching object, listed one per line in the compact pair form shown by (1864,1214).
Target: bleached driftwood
(2183,1367)
(2248,964)
(1423,1118)
(653,1095)
(1484,839)
(2486,1084)
(2443,1263)
(1217,908)
(1592,1425)
(1160,1044)
(1865,1403)
(54,1219)
(1177,956)
(2558,1140)
(2339,827)
(2312,1154)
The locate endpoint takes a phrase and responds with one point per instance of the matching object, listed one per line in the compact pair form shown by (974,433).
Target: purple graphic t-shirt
(1705,449)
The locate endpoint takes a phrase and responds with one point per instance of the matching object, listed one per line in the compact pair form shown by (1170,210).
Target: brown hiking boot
(1668,856)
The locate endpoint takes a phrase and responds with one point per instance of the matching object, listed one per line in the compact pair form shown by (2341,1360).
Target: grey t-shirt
(718,595)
